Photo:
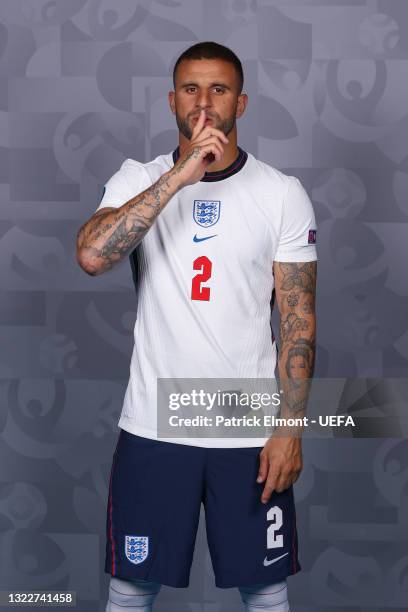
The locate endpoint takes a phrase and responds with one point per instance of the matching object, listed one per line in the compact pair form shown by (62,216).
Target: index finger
(270,486)
(199,125)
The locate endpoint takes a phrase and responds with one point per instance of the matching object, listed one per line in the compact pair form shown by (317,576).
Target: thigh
(153,509)
(250,542)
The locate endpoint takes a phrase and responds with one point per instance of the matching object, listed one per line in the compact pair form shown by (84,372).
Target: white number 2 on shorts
(273,540)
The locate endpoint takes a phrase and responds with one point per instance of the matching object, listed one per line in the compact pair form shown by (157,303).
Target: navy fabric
(155,493)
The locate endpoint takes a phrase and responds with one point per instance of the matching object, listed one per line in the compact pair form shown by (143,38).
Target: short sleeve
(297,238)
(124,185)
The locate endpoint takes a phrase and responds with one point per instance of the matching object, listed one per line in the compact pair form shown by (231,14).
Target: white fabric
(265,597)
(134,595)
(265,216)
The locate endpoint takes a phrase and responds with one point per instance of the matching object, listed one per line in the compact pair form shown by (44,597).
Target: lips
(207,120)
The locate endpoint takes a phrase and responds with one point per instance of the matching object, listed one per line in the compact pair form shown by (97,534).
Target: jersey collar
(220,175)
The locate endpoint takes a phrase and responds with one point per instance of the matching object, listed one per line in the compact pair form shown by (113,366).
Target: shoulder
(282,193)
(271,176)
(132,167)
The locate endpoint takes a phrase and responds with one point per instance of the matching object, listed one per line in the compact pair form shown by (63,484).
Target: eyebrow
(211,85)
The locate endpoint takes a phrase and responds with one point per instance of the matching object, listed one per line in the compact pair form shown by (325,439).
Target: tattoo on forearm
(308,307)
(109,237)
(293,299)
(291,325)
(122,230)
(299,360)
(182,163)
(296,296)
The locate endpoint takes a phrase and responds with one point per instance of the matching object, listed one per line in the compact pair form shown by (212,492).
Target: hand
(280,464)
(206,145)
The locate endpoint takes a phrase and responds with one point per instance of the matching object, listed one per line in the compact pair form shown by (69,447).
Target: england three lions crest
(136,548)
(206,212)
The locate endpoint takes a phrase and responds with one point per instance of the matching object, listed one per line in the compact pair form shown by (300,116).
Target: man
(212,233)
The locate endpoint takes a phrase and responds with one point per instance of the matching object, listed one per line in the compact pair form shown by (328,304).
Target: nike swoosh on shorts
(267,562)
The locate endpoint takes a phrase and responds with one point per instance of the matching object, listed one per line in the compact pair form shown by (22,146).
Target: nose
(203,99)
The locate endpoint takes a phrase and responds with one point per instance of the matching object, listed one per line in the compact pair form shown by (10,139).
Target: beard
(225,125)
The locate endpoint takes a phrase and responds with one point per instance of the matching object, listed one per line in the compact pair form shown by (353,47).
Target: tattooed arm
(295,287)
(280,461)
(112,233)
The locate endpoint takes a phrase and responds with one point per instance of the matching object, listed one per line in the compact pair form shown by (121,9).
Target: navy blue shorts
(155,494)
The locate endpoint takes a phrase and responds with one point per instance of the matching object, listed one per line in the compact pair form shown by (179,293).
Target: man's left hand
(280,464)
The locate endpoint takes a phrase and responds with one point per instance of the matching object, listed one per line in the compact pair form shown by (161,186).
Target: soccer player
(213,235)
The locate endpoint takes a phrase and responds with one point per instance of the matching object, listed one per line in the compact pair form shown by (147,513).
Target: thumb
(263,468)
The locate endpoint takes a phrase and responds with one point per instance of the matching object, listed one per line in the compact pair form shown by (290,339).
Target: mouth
(207,120)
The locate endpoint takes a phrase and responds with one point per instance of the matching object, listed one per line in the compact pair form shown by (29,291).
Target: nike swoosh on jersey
(267,562)
(196,239)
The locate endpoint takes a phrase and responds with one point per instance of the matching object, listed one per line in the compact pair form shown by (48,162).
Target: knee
(137,593)
(266,597)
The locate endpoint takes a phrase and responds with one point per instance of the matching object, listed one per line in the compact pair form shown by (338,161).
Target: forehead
(206,70)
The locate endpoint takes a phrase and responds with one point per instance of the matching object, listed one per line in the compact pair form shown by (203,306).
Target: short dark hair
(211,50)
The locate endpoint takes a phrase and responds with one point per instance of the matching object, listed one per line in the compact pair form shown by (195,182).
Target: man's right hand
(108,237)
(206,146)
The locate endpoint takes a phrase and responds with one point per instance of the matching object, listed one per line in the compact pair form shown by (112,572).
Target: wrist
(175,179)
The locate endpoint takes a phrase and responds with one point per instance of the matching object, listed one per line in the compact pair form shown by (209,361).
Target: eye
(219,89)
(190,88)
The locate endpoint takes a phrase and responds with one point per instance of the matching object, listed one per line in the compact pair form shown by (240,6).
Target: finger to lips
(199,125)
(201,130)
(213,133)
(212,141)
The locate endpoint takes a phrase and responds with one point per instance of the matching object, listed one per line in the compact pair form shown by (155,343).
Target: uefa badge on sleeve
(312,237)
(206,212)
(136,548)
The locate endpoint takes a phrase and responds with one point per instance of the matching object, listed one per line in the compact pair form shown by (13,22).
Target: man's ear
(172,102)
(242,104)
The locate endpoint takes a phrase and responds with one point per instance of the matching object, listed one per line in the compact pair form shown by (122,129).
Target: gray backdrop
(83,85)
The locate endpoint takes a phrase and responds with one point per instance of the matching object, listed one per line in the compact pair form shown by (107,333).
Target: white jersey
(205,280)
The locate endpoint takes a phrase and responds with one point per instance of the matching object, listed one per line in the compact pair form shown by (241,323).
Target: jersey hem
(294,258)
(126,424)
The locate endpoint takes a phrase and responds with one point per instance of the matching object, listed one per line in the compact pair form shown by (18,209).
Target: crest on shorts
(206,212)
(136,548)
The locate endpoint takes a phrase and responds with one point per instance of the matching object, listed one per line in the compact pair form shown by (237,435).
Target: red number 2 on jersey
(197,292)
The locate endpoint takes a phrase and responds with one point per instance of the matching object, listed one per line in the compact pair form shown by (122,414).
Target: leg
(153,510)
(250,543)
(135,595)
(265,597)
